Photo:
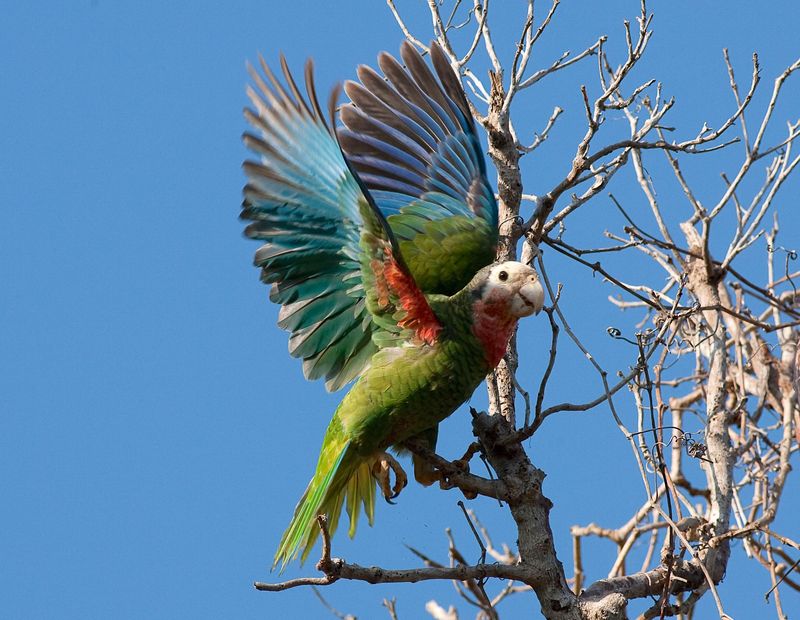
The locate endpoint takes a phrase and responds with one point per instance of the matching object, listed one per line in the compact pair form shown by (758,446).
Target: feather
(417,116)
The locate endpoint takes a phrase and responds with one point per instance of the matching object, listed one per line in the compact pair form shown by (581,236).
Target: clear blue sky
(154,433)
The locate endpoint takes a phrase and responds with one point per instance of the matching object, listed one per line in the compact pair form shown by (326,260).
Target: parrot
(379,239)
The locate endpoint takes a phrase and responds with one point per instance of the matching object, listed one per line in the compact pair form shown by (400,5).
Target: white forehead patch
(508,271)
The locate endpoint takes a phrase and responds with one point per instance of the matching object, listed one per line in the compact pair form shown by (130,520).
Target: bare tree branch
(708,352)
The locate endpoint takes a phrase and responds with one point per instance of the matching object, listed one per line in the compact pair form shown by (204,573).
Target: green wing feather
(411,139)
(327,244)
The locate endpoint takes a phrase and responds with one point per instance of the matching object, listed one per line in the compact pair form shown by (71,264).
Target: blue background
(154,434)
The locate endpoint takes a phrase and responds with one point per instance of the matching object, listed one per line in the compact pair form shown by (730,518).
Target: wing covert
(411,139)
(327,246)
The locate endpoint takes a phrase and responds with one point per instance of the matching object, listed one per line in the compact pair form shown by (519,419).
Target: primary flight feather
(379,238)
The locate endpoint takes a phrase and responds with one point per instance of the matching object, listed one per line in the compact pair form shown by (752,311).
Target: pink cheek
(497,295)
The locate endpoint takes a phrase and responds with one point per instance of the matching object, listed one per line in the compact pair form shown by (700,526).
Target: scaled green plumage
(405,391)
(376,247)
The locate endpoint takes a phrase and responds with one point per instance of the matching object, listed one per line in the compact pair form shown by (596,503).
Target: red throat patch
(493,326)
(419,316)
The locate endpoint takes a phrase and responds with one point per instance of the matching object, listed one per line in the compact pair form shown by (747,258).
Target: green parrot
(379,241)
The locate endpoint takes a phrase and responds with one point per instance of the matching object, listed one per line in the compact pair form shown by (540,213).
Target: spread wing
(411,139)
(329,256)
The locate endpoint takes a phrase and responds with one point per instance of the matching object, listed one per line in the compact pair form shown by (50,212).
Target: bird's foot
(381,469)
(472,450)
(427,474)
(461,465)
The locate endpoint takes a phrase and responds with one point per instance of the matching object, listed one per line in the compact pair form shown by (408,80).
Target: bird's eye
(503,275)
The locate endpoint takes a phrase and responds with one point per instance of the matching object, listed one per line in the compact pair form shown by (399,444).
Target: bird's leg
(463,465)
(424,472)
(463,462)
(385,463)
(427,474)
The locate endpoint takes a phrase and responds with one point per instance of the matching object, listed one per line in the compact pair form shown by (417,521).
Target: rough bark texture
(505,156)
(529,507)
(703,282)
(531,511)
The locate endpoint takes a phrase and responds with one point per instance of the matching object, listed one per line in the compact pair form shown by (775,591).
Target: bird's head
(510,287)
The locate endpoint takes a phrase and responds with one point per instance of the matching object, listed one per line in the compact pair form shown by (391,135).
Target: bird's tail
(342,478)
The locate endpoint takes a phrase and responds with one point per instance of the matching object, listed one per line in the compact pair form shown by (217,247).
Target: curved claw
(384,464)
(434,475)
(462,464)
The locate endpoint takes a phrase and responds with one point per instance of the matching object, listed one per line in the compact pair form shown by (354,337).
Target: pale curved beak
(530,298)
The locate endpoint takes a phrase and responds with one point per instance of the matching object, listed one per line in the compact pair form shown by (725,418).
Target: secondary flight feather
(378,239)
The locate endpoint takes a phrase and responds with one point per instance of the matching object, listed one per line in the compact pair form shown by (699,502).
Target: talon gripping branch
(379,239)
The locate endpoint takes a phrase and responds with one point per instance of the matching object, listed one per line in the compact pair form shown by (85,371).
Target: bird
(379,239)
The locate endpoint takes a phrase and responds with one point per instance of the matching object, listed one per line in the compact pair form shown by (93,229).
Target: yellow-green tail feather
(341,478)
(360,490)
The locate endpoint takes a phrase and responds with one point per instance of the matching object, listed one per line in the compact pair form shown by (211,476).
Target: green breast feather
(376,240)
(408,390)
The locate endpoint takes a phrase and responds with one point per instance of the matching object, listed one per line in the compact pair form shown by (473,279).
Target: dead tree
(711,349)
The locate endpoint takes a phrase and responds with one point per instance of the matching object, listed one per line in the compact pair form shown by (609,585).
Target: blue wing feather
(302,200)
(327,245)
